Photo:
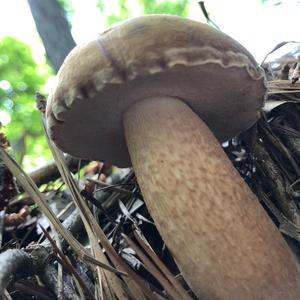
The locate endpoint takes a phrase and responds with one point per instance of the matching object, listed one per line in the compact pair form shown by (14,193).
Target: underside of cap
(151,56)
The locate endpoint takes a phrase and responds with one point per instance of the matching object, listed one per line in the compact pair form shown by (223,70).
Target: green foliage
(100,5)
(173,7)
(20,79)
(66,5)
(176,7)
(68,9)
(123,14)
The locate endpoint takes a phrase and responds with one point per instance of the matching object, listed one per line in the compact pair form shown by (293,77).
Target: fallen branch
(49,172)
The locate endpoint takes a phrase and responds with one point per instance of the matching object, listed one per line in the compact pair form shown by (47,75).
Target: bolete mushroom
(162,92)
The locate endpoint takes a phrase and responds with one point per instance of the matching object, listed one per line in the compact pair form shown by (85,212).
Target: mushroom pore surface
(151,56)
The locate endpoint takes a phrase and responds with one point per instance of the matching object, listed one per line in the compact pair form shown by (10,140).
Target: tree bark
(53,28)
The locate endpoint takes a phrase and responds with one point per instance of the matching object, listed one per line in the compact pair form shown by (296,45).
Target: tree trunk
(54,30)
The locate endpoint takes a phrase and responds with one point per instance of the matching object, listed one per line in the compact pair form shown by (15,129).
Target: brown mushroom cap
(150,56)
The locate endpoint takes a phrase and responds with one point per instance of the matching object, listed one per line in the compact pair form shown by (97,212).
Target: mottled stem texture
(221,238)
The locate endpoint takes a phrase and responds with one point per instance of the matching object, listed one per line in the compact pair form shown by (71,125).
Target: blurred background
(36,35)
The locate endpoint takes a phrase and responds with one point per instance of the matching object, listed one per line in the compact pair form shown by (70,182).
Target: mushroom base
(221,238)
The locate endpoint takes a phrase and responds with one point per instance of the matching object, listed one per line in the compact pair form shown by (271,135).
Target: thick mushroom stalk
(220,236)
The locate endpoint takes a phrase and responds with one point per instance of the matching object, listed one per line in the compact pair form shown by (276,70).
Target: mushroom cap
(151,56)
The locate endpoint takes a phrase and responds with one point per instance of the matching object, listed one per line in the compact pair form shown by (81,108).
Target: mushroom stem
(221,238)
